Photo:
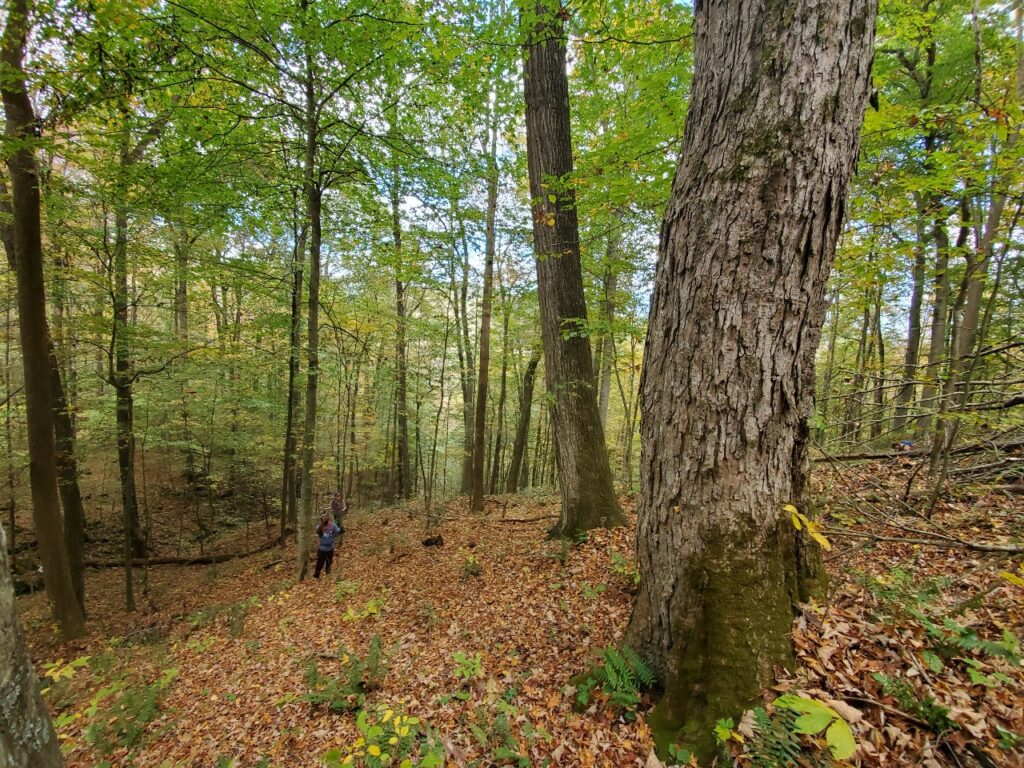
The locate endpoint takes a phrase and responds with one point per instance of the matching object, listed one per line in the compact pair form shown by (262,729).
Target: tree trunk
(499,429)
(486,302)
(313,195)
(289,489)
(21,164)
(581,456)
(512,480)
(27,738)
(747,243)
(610,284)
(404,465)
(905,398)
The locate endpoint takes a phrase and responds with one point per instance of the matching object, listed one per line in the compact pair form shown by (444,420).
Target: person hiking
(326,532)
(338,507)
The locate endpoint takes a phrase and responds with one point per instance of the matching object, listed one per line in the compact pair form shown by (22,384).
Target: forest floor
(918,648)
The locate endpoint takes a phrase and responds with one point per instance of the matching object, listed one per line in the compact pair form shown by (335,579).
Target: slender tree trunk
(313,195)
(27,738)
(585,479)
(21,163)
(937,342)
(747,243)
(486,302)
(404,466)
(289,486)
(905,398)
(499,430)
(610,284)
(878,418)
(12,504)
(515,467)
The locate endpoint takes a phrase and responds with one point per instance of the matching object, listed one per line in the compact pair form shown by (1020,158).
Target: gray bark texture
(747,243)
(584,477)
(27,739)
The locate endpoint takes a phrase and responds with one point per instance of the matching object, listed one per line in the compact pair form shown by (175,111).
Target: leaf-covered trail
(241,660)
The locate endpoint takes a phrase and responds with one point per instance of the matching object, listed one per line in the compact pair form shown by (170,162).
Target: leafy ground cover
(476,652)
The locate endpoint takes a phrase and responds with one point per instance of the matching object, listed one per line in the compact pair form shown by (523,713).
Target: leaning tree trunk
(747,243)
(512,480)
(35,336)
(27,739)
(581,456)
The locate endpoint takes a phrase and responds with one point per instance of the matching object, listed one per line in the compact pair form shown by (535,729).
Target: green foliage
(625,570)
(922,706)
(122,723)
(471,567)
(372,608)
(347,690)
(389,739)
(344,589)
(468,668)
(592,591)
(621,674)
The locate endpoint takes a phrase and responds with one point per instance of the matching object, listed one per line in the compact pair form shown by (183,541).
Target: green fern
(622,676)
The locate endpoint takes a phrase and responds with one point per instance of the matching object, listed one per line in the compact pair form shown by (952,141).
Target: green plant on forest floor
(389,739)
(922,706)
(122,723)
(347,690)
(621,674)
(625,571)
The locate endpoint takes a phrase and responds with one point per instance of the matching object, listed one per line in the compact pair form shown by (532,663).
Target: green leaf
(813,722)
(840,740)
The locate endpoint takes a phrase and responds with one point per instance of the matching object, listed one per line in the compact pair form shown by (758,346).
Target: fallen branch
(525,519)
(972,448)
(941,543)
(142,562)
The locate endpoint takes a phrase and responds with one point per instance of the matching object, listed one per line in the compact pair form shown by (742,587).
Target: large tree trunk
(581,456)
(747,243)
(512,480)
(27,738)
(35,337)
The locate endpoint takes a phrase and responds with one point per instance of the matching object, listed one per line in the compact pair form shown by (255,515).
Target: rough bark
(27,738)
(747,243)
(515,466)
(35,338)
(581,456)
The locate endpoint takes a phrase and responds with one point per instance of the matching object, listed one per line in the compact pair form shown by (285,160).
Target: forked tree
(584,477)
(747,243)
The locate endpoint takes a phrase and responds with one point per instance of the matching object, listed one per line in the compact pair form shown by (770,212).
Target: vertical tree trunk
(27,738)
(404,462)
(12,504)
(289,486)
(499,428)
(905,398)
(515,466)
(878,418)
(747,243)
(486,302)
(585,479)
(21,163)
(610,284)
(313,195)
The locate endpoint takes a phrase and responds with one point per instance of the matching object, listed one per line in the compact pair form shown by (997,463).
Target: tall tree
(21,130)
(746,247)
(581,456)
